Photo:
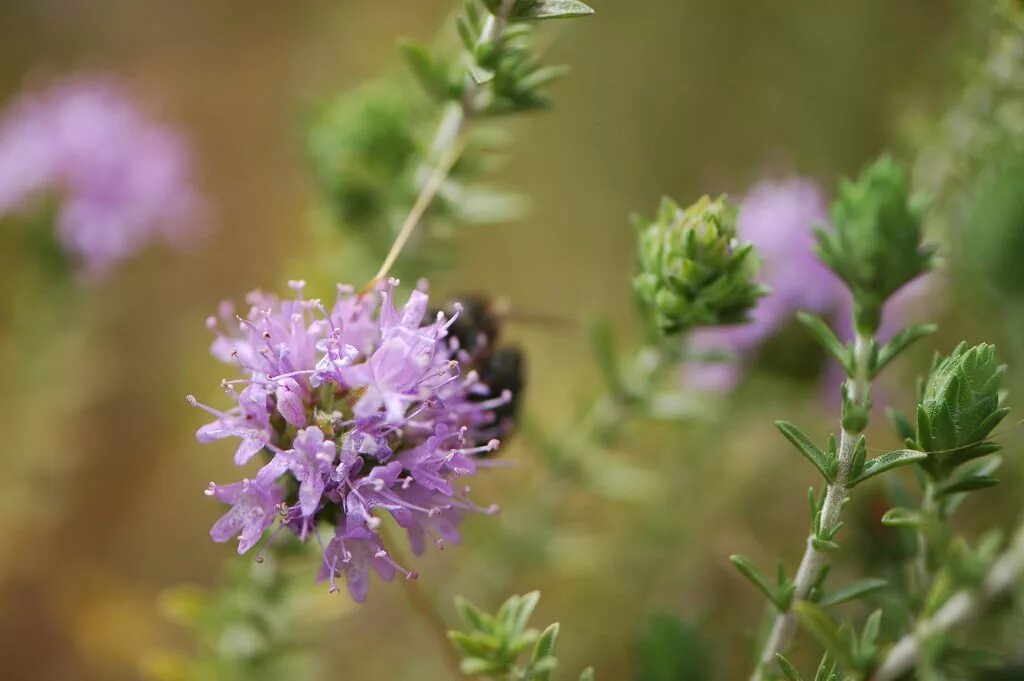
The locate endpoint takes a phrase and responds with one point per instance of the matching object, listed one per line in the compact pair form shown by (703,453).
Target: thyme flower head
(119,181)
(358,410)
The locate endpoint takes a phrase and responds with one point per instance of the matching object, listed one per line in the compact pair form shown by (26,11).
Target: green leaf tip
(853,591)
(535,10)
(560,9)
(806,446)
(780,597)
(888,461)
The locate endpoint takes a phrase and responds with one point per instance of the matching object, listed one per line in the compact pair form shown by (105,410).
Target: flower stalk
(446,147)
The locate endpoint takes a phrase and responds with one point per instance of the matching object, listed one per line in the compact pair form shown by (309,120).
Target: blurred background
(101,493)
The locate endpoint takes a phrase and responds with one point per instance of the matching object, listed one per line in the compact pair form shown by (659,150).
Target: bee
(477,331)
(505,369)
(478,326)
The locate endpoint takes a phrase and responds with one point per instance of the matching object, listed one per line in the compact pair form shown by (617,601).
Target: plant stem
(445,148)
(928,506)
(960,609)
(859,391)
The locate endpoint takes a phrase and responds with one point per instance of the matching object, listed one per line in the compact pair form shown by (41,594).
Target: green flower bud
(692,269)
(875,241)
(960,406)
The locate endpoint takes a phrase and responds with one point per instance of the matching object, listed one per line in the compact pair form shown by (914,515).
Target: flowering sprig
(357,409)
(374,158)
(502,646)
(875,247)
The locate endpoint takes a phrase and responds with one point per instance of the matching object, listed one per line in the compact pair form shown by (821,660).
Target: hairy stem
(958,610)
(784,626)
(445,148)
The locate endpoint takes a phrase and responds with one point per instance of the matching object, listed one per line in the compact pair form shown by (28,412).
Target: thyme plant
(875,246)
(368,416)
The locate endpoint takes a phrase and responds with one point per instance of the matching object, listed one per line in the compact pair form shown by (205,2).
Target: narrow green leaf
(853,591)
(860,455)
(540,9)
(505,616)
(952,502)
(806,447)
(824,545)
(526,607)
(750,571)
(787,668)
(466,34)
(473,15)
(544,650)
(474,618)
(541,670)
(904,517)
(558,9)
(887,461)
(900,424)
(430,74)
(900,342)
(476,666)
(821,626)
(966,484)
(475,644)
(542,77)
(868,637)
(819,579)
(827,338)
(826,669)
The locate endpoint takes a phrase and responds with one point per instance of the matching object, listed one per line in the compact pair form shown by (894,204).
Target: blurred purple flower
(779,217)
(120,179)
(360,410)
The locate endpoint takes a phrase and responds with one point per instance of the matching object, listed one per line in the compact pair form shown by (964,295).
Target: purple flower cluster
(121,180)
(779,218)
(358,410)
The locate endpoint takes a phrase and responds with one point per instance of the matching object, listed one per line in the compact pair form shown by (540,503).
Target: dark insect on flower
(479,325)
(504,373)
(477,331)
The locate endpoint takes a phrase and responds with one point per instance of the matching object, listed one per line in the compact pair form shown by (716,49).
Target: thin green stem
(814,559)
(446,147)
(930,509)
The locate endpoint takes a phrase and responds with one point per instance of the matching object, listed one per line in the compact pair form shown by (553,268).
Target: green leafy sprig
(503,646)
(875,247)
(383,171)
